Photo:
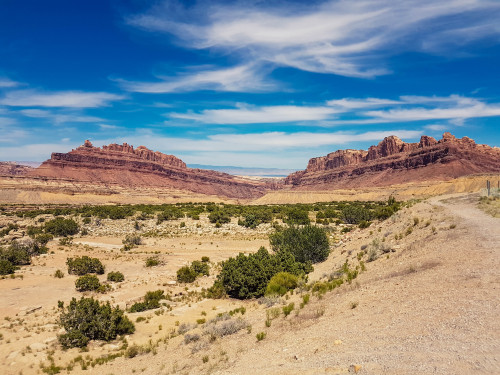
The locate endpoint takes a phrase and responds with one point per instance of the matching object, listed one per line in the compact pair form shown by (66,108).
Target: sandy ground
(429,307)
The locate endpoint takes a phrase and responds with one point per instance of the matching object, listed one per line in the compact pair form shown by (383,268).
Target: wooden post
(488,186)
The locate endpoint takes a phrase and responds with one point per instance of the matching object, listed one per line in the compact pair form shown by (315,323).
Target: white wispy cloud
(233,79)
(67,99)
(352,111)
(349,38)
(58,118)
(418,114)
(8,83)
(252,115)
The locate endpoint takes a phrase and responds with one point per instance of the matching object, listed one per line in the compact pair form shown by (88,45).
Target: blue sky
(245,83)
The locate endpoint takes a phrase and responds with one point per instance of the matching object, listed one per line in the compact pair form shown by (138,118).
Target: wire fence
(492,189)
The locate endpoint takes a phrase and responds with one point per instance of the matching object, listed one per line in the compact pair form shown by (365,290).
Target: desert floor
(429,304)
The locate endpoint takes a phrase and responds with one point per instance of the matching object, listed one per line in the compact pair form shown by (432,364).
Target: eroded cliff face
(393,161)
(140,167)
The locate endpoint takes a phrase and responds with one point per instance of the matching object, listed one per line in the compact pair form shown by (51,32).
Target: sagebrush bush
(60,227)
(281,283)
(307,244)
(59,274)
(88,319)
(224,327)
(116,277)
(87,283)
(152,262)
(83,265)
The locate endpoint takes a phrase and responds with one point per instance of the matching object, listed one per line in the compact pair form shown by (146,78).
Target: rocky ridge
(125,165)
(13,169)
(393,161)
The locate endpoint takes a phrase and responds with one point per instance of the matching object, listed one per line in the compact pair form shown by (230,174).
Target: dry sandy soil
(428,305)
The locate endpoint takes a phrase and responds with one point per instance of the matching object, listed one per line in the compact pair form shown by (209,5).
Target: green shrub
(281,283)
(186,274)
(86,220)
(355,213)
(247,276)
(19,252)
(152,262)
(132,239)
(364,224)
(205,259)
(87,283)
(307,244)
(219,217)
(116,277)
(261,336)
(151,301)
(6,267)
(83,265)
(201,268)
(297,216)
(288,309)
(59,274)
(43,238)
(87,319)
(60,227)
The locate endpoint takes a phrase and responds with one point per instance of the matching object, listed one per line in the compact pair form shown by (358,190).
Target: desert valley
(394,267)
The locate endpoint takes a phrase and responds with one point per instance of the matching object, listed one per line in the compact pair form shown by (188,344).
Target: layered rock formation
(140,167)
(13,169)
(393,161)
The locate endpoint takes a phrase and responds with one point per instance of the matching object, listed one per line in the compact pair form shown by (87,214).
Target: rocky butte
(393,161)
(132,167)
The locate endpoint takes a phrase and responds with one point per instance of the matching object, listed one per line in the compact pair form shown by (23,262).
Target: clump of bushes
(6,267)
(19,253)
(151,301)
(247,276)
(83,265)
(88,319)
(297,216)
(219,217)
(188,274)
(60,227)
(131,241)
(307,244)
(281,283)
(116,277)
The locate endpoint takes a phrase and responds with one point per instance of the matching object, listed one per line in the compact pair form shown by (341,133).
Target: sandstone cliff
(393,161)
(125,165)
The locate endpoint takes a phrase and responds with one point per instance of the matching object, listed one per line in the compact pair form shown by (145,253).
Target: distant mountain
(242,171)
(140,167)
(394,162)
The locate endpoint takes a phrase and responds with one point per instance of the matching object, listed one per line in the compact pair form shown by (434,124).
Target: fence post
(488,186)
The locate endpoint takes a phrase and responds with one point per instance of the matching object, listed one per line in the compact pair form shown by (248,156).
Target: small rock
(38,346)
(13,354)
(354,369)
(337,342)
(50,340)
